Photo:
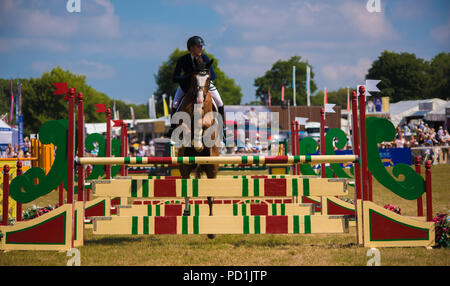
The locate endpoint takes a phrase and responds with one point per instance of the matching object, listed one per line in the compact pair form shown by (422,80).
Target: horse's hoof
(211,236)
(199,149)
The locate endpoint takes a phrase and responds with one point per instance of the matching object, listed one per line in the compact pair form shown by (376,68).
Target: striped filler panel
(216,201)
(218,210)
(244,187)
(294,224)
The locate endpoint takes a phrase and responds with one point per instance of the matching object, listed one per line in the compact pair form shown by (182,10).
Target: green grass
(248,250)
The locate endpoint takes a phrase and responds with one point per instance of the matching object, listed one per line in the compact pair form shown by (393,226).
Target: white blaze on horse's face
(202,80)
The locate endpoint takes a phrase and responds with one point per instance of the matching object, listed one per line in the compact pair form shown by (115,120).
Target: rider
(186,64)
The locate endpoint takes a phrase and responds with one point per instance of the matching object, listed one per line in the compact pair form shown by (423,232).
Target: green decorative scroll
(341,142)
(115,150)
(22,188)
(413,185)
(98,171)
(307,146)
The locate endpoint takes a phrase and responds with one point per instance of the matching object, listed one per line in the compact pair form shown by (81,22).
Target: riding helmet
(194,41)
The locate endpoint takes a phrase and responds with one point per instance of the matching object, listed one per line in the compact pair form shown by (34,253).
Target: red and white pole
(428,191)
(19,205)
(5,194)
(322,140)
(108,142)
(419,200)
(355,135)
(80,147)
(362,125)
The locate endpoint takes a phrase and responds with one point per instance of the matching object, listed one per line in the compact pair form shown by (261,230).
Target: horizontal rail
(18,159)
(255,160)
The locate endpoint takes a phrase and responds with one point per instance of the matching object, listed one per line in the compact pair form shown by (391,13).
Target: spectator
(400,141)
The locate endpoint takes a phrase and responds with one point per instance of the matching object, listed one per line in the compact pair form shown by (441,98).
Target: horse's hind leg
(211,173)
(185,171)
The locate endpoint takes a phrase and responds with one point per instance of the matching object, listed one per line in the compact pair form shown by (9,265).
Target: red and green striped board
(243,187)
(294,224)
(218,210)
(265,200)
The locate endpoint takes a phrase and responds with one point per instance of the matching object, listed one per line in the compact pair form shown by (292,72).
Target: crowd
(16,152)
(416,133)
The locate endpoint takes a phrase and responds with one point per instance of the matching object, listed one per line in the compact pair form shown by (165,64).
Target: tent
(412,109)
(6,135)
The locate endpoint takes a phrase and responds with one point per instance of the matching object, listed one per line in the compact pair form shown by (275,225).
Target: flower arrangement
(393,208)
(35,211)
(442,230)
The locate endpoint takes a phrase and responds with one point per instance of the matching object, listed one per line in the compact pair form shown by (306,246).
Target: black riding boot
(172,125)
(222,113)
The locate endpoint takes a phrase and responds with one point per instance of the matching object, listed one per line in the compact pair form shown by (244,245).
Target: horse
(198,104)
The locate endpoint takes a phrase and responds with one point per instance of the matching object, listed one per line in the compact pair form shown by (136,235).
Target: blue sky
(120,44)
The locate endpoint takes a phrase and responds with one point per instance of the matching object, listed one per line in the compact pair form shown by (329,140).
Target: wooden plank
(301,224)
(256,187)
(218,210)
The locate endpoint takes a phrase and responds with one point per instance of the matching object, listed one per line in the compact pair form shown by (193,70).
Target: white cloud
(355,72)
(441,34)
(91,69)
(14,44)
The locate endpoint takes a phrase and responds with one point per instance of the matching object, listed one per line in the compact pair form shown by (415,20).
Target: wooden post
(355,134)
(322,140)
(80,147)
(108,142)
(70,157)
(70,145)
(428,191)
(19,205)
(363,155)
(419,200)
(5,194)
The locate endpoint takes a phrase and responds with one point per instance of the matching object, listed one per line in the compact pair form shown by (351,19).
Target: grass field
(248,250)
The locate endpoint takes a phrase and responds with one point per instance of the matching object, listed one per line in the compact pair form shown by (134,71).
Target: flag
(325,97)
(269,98)
(17,103)
(166,109)
(61,88)
(308,92)
(12,104)
(20,115)
(151,107)
(132,116)
(293,84)
(348,99)
(117,123)
(114,111)
(282,93)
(101,107)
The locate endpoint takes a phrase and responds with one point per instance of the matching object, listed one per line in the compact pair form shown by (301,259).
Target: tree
(39,105)
(229,91)
(281,75)
(403,76)
(440,76)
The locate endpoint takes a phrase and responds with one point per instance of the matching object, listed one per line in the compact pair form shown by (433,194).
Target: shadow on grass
(109,240)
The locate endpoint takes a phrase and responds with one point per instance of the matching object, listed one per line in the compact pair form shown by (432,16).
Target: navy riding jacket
(185,64)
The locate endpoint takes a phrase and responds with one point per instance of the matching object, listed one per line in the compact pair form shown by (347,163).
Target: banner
(308,91)
(385,103)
